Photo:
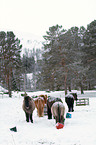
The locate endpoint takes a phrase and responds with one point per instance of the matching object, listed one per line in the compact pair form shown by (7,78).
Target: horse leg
(62,119)
(49,113)
(56,119)
(72,107)
(69,108)
(27,117)
(31,118)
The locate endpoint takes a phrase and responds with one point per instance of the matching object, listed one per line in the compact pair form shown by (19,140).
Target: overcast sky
(36,16)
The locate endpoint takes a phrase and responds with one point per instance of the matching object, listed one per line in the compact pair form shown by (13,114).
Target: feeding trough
(68,115)
(59,125)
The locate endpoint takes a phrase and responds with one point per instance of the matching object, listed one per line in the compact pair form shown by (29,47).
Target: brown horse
(58,111)
(39,104)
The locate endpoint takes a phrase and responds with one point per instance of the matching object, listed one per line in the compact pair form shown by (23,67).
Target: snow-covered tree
(89,50)
(10,64)
(51,58)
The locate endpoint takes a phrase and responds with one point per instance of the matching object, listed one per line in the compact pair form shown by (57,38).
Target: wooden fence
(83,101)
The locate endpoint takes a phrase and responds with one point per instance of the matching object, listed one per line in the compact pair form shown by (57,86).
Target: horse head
(75,96)
(27,100)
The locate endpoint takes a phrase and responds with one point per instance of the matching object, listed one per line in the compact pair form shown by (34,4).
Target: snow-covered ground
(3,90)
(78,130)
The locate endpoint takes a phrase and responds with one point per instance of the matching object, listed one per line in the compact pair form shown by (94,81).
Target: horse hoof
(32,121)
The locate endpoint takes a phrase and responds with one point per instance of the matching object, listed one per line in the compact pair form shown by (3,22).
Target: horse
(39,104)
(50,102)
(28,107)
(58,111)
(69,99)
(45,98)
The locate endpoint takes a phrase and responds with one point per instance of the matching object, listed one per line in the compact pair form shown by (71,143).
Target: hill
(29,40)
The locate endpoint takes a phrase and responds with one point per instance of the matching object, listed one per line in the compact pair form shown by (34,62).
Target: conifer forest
(67,61)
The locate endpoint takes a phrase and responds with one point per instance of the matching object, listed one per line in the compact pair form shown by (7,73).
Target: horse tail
(59,112)
(40,103)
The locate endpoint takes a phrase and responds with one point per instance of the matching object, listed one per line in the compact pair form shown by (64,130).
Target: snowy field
(78,130)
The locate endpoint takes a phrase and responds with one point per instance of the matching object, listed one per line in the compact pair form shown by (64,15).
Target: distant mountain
(29,41)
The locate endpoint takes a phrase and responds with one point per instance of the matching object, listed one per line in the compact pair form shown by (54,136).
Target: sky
(36,16)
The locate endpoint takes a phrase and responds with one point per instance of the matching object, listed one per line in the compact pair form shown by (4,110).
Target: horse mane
(44,97)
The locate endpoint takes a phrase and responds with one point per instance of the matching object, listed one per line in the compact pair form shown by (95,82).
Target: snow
(3,90)
(78,130)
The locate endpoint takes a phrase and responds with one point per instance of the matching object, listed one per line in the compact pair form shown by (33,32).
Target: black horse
(50,102)
(69,99)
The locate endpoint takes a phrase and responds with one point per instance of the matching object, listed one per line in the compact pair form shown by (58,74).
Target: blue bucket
(68,115)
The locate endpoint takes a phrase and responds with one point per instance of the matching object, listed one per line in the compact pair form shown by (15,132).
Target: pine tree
(10,59)
(89,50)
(51,57)
(60,58)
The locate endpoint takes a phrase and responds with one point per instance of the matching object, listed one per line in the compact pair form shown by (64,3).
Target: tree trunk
(9,88)
(69,87)
(52,82)
(89,86)
(65,84)
(65,88)
(82,92)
